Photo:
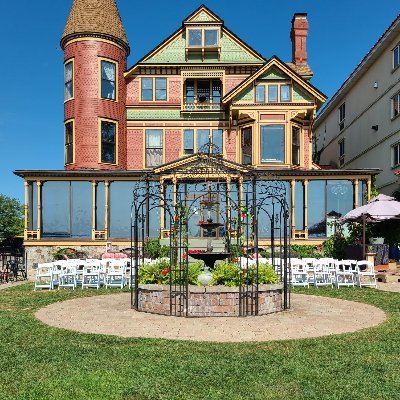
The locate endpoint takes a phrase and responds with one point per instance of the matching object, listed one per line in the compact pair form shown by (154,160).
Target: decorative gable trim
(281,66)
(203,14)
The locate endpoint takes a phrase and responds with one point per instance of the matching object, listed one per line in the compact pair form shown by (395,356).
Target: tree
(11,217)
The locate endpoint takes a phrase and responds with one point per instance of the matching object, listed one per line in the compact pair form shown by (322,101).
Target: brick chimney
(299,35)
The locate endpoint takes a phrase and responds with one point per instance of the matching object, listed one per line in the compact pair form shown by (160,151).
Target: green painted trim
(246,95)
(172,115)
(273,74)
(299,95)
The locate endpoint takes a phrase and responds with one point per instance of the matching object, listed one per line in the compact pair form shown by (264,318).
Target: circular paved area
(310,316)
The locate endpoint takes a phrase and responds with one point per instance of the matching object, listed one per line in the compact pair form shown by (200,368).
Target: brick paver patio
(310,316)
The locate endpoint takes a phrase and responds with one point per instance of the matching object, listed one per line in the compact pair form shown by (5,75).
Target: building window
(188,141)
(260,94)
(203,138)
(272,144)
(154,89)
(396,105)
(396,56)
(341,152)
(276,93)
(342,115)
(203,38)
(69,80)
(272,93)
(69,143)
(247,146)
(108,142)
(202,95)
(108,80)
(285,93)
(154,147)
(295,146)
(396,155)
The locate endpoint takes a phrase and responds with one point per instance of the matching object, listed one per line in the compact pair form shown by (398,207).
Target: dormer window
(203,38)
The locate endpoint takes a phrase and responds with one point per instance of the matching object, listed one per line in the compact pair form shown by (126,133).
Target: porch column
(162,211)
(306,207)
(175,182)
(107,208)
(94,185)
(26,215)
(228,202)
(293,205)
(355,189)
(39,208)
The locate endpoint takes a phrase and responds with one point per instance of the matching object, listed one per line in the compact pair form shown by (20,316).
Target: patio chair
(68,277)
(91,276)
(44,276)
(115,275)
(366,274)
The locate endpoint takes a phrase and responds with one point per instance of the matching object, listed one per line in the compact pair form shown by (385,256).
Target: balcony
(191,105)
(202,95)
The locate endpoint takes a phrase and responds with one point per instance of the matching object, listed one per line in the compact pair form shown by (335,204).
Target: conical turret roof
(98,18)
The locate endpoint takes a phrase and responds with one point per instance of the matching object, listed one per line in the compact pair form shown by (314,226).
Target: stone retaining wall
(213,301)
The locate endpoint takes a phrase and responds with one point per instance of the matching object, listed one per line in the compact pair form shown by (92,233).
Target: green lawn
(39,362)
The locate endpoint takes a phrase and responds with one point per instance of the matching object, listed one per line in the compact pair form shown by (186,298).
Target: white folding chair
(299,274)
(68,276)
(366,274)
(344,273)
(115,275)
(321,274)
(91,276)
(44,276)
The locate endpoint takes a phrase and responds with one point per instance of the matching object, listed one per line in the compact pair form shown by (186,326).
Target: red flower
(235,259)
(165,271)
(184,256)
(244,215)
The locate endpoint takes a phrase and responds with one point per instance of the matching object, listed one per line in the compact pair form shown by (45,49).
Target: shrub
(336,245)
(307,251)
(68,253)
(151,248)
(226,274)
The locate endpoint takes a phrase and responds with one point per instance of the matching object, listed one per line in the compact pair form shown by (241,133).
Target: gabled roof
(95,17)
(202,164)
(172,50)
(362,67)
(275,62)
(203,14)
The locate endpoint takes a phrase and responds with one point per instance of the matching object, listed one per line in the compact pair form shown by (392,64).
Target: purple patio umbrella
(379,208)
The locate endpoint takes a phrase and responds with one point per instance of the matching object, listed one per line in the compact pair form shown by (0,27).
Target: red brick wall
(174,91)
(173,142)
(135,149)
(87,107)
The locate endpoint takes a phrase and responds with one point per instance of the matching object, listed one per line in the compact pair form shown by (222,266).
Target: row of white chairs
(331,272)
(84,273)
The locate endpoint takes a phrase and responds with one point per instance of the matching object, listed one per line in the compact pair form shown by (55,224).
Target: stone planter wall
(213,301)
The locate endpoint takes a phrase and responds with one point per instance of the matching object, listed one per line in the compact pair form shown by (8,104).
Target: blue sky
(31,108)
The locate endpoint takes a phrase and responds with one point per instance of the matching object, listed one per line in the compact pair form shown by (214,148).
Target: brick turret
(95,49)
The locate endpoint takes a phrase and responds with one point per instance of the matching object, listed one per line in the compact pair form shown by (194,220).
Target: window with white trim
(395,105)
(396,56)
(396,155)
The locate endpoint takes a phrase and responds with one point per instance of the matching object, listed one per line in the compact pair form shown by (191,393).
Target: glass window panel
(189,91)
(56,220)
(396,57)
(108,80)
(203,139)
(285,92)
(272,143)
(272,93)
(68,81)
(147,89)
(81,209)
(154,213)
(154,138)
(299,206)
(100,206)
(295,146)
(362,190)
(195,37)
(32,206)
(108,133)
(317,208)
(188,141)
(216,93)
(260,93)
(69,144)
(161,89)
(154,147)
(217,140)
(211,37)
(203,91)
(339,198)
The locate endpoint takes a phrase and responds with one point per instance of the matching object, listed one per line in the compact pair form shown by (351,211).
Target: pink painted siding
(173,142)
(307,146)
(87,107)
(135,149)
(232,82)
(230,144)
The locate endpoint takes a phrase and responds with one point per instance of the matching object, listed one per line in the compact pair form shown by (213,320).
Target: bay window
(154,147)
(272,143)
(295,145)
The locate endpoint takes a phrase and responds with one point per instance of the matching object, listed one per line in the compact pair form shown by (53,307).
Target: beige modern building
(360,126)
